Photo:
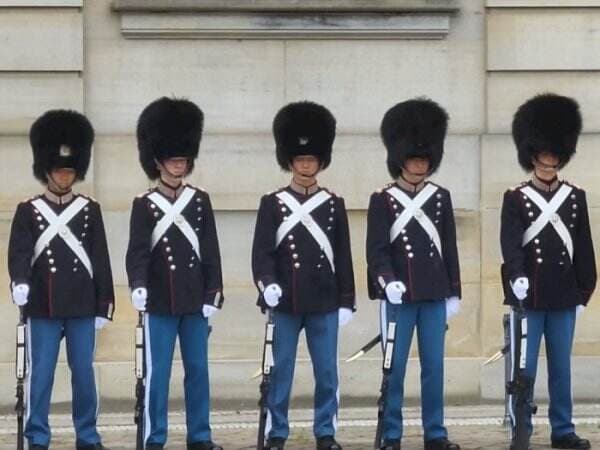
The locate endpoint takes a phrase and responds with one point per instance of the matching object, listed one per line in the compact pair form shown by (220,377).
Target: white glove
(520,287)
(394,292)
(579,310)
(100,322)
(345,316)
(209,310)
(271,295)
(138,298)
(20,293)
(452,307)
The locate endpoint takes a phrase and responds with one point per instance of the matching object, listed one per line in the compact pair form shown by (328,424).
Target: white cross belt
(301,213)
(412,210)
(59,225)
(173,216)
(549,215)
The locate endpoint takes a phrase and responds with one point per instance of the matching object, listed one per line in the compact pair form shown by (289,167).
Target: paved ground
(474,427)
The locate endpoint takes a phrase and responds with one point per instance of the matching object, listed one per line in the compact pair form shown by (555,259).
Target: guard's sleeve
(379,248)
(264,247)
(137,259)
(103,281)
(211,257)
(343,258)
(512,229)
(584,260)
(21,245)
(449,248)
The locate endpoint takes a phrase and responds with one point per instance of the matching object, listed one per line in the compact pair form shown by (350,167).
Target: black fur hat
(61,138)
(412,128)
(546,123)
(303,128)
(168,128)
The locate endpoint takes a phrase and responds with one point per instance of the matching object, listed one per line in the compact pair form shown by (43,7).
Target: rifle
(265,384)
(20,372)
(507,366)
(140,375)
(388,357)
(521,385)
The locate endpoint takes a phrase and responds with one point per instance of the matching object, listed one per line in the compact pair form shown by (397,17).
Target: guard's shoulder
(574,186)
(272,194)
(146,193)
(330,192)
(439,188)
(28,200)
(196,188)
(199,191)
(517,187)
(90,199)
(382,189)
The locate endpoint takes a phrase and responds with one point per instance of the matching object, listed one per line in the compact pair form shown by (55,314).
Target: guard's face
(306,166)
(176,167)
(546,163)
(63,177)
(417,166)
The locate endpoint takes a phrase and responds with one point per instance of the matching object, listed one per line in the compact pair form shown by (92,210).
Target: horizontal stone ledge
(543,4)
(397,6)
(41,3)
(285,19)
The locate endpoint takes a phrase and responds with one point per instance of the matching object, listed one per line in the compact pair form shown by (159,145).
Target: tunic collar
(59,199)
(303,190)
(544,186)
(409,187)
(168,191)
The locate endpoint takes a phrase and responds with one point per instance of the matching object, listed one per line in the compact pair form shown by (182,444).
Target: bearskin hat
(168,128)
(414,128)
(303,128)
(61,138)
(546,123)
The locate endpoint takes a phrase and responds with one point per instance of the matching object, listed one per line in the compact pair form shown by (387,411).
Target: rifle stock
(140,375)
(265,384)
(20,372)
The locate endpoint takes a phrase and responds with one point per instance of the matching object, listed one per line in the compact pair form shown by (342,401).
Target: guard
(547,249)
(60,274)
(413,262)
(174,268)
(302,266)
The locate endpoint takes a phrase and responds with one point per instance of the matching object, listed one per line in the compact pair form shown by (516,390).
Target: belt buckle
(179,219)
(554,218)
(419,213)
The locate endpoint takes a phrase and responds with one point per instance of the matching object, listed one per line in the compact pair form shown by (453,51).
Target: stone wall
(480,59)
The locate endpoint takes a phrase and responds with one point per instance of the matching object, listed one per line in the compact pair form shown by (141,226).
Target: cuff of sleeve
(514,277)
(106,309)
(456,291)
(138,284)
(585,296)
(383,279)
(263,281)
(348,301)
(214,298)
(17,281)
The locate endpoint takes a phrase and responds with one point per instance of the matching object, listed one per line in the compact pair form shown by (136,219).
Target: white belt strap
(301,214)
(549,215)
(58,225)
(412,209)
(172,216)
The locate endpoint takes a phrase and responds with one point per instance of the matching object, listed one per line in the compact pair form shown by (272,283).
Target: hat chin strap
(54,187)
(415,174)
(173,176)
